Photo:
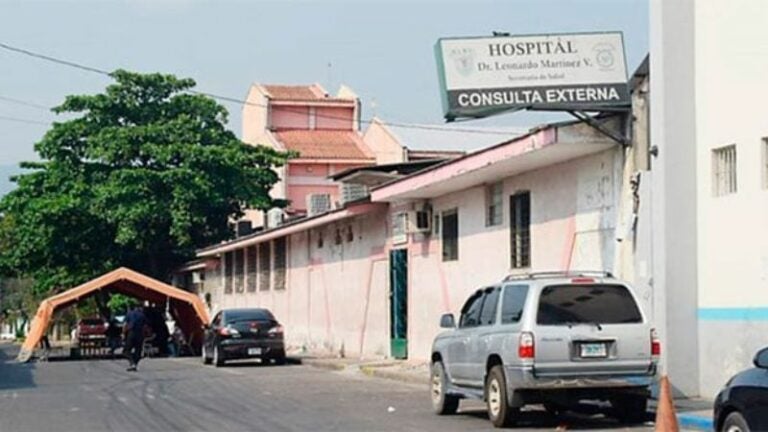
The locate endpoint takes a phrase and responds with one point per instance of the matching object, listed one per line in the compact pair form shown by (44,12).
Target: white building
(709,121)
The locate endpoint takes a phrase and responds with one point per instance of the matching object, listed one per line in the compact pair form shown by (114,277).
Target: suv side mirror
(447,321)
(761,359)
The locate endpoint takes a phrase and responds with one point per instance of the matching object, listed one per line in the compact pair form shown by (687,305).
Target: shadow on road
(259,364)
(582,420)
(14,375)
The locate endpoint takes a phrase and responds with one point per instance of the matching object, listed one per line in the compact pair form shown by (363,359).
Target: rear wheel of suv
(499,411)
(735,422)
(631,409)
(442,403)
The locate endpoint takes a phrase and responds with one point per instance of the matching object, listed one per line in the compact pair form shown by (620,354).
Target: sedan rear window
(584,304)
(249,315)
(92,321)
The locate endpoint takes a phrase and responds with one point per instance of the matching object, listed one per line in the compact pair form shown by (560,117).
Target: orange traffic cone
(666,417)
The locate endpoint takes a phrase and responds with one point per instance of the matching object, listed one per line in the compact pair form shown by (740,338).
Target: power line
(21,120)
(241,101)
(53,59)
(23,102)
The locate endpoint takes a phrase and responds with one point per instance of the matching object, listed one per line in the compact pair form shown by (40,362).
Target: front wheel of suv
(631,409)
(499,411)
(442,403)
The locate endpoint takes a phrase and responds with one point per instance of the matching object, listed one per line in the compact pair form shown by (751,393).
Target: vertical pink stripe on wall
(570,242)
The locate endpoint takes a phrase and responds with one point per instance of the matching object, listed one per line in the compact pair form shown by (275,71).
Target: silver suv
(547,338)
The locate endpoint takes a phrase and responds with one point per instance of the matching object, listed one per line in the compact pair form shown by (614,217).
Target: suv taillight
(526,348)
(655,344)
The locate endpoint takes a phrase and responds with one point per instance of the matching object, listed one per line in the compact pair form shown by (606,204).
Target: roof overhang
(329,103)
(301,160)
(291,228)
(543,147)
(370,178)
(197,265)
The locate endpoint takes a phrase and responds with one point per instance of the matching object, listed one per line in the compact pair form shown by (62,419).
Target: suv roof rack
(558,274)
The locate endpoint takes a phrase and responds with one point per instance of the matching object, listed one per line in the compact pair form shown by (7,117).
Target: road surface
(183,395)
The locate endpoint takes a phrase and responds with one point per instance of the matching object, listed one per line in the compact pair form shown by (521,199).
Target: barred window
(520,229)
(493,202)
(265,262)
(252,261)
(239,270)
(280,262)
(724,170)
(228,270)
(450,235)
(350,234)
(337,238)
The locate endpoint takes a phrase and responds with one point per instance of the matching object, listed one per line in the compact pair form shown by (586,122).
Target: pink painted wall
(289,117)
(305,179)
(308,169)
(334,118)
(336,296)
(298,194)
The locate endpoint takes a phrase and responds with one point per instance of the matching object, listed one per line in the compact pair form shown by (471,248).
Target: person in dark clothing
(133,331)
(113,337)
(156,320)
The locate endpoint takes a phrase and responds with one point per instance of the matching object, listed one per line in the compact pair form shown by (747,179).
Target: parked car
(91,329)
(236,334)
(547,338)
(742,406)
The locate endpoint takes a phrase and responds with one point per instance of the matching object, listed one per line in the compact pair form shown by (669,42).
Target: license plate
(254,351)
(592,350)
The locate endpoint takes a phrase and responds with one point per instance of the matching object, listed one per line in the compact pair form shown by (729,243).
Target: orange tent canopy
(187,308)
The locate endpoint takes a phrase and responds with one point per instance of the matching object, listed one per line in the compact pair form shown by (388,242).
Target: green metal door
(398,305)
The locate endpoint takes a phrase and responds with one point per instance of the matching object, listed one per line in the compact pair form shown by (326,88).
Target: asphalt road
(183,395)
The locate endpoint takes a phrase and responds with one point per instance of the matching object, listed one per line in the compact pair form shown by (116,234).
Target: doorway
(398,304)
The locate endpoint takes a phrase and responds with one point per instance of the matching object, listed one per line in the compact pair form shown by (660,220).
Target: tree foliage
(139,176)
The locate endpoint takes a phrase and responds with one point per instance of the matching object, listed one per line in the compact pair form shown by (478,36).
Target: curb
(696,422)
(383,372)
(322,364)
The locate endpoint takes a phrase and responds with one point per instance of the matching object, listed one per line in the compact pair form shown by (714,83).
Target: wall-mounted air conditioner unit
(275,217)
(420,221)
(318,204)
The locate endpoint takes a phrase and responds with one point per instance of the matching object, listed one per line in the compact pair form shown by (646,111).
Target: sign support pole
(586,118)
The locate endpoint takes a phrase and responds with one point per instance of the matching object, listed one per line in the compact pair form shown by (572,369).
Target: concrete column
(673,132)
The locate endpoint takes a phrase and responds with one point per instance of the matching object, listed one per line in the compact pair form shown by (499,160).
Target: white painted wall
(731,60)
(573,211)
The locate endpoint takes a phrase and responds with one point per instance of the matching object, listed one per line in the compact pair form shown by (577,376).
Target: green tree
(139,176)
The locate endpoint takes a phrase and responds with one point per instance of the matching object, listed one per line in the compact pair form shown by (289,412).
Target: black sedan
(742,406)
(237,334)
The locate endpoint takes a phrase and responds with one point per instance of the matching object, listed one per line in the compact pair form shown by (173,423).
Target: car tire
(631,409)
(499,411)
(204,356)
(218,359)
(279,360)
(442,403)
(735,422)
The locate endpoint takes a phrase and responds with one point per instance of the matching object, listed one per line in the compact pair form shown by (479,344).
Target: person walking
(133,332)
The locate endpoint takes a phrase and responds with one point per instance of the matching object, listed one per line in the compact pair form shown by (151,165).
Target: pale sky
(382,50)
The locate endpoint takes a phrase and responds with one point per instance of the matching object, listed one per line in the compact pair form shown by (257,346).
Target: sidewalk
(692,414)
(695,414)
